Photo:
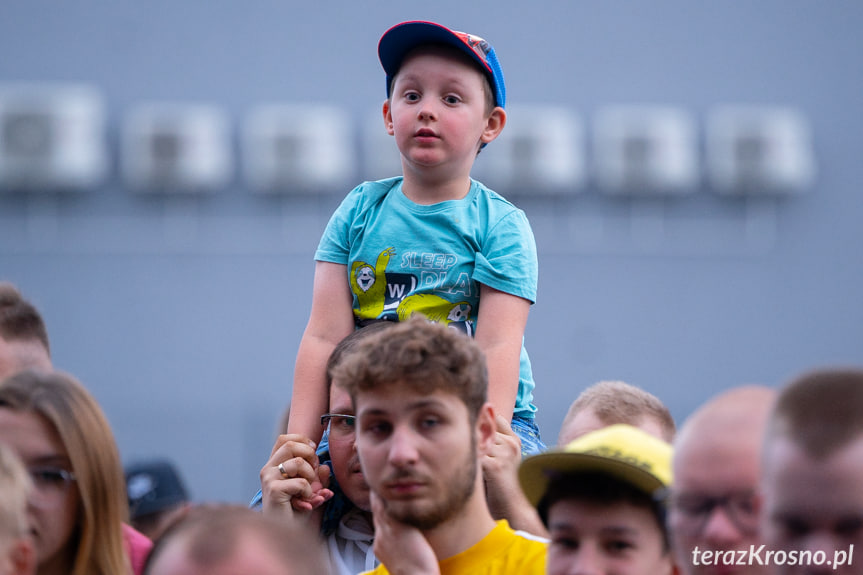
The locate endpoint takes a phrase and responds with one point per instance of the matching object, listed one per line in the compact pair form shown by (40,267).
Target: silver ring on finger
(281,468)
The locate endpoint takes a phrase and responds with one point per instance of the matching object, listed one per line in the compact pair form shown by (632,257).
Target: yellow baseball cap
(623,451)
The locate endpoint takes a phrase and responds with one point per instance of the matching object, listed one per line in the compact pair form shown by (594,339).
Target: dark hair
(601,489)
(19,319)
(820,410)
(421,355)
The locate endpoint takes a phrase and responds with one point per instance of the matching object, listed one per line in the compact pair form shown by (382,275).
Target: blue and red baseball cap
(402,38)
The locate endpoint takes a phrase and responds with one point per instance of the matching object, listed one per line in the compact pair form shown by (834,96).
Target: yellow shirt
(502,551)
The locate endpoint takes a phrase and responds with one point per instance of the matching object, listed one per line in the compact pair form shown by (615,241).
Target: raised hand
(293,483)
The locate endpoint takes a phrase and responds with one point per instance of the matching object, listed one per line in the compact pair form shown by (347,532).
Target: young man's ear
(493,125)
(485,428)
(388,117)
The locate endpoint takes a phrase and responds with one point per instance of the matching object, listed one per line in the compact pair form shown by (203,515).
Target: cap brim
(535,473)
(402,38)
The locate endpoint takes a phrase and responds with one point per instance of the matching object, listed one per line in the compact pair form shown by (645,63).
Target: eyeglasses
(339,425)
(695,509)
(49,483)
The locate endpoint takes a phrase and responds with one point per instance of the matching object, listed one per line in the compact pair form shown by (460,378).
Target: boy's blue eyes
(415,97)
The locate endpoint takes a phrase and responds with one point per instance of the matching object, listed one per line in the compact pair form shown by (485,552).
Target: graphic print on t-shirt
(382,294)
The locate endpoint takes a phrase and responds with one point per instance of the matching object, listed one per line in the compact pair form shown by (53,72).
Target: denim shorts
(528,431)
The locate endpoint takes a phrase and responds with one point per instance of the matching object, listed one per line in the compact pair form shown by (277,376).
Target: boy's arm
(330,320)
(506,500)
(499,333)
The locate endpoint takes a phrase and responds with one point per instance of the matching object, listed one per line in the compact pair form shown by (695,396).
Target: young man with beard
(423,426)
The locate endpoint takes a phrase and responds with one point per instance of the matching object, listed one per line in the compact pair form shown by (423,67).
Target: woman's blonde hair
(62,401)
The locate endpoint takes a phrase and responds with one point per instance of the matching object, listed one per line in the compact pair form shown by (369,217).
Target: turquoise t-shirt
(404,257)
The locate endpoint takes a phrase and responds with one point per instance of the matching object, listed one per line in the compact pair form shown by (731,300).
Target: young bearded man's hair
(350,342)
(420,355)
(820,411)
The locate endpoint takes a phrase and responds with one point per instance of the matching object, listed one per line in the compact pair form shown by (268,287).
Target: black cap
(153,485)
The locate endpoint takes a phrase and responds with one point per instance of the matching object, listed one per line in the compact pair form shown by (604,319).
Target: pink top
(138,546)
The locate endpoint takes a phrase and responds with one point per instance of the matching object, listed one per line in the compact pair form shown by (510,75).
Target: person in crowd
(423,425)
(157,496)
(602,500)
(600,405)
(78,504)
(812,474)
(327,488)
(714,505)
(433,241)
(609,402)
(225,539)
(23,336)
(17,554)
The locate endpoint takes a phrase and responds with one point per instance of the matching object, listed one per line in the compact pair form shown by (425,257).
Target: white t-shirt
(350,547)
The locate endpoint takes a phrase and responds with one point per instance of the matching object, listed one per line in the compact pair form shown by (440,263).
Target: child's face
(438,112)
(616,539)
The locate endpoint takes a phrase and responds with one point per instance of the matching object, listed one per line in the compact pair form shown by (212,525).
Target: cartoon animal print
(438,310)
(369,285)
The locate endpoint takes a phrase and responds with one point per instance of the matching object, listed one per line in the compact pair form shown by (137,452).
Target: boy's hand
(504,456)
(401,548)
(500,469)
(292,481)
(505,498)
